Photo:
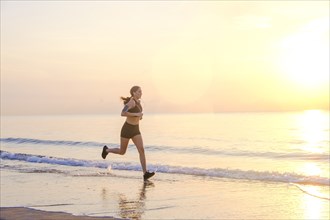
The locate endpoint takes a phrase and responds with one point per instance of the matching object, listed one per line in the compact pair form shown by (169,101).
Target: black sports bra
(137,108)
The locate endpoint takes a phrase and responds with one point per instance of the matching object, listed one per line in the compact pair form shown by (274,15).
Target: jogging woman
(133,112)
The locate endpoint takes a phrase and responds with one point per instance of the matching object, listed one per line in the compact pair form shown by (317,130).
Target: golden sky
(77,57)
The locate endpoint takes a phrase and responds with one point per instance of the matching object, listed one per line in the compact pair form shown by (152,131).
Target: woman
(130,130)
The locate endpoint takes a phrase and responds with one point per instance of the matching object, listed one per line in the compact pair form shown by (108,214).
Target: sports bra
(137,108)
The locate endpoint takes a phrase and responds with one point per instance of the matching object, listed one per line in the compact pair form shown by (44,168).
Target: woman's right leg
(122,149)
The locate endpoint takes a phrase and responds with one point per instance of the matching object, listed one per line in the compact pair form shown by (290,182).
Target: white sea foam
(219,172)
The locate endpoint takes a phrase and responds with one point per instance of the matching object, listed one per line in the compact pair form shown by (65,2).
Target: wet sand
(14,213)
(124,195)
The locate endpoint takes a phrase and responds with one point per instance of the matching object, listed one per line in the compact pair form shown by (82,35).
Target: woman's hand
(139,114)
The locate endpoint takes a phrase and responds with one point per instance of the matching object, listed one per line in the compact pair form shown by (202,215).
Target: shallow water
(250,148)
(233,145)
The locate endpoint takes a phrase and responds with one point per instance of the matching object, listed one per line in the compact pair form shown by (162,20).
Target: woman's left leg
(137,140)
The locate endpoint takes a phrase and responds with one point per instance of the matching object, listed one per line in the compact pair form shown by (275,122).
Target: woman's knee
(123,146)
(122,151)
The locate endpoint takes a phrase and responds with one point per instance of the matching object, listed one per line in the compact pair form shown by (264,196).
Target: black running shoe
(147,175)
(104,152)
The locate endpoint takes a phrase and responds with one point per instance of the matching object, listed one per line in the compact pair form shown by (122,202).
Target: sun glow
(305,56)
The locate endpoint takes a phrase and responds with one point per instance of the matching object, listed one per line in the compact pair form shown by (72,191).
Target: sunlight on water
(311,169)
(314,130)
(312,205)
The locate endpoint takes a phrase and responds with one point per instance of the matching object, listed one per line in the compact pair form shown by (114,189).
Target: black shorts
(129,131)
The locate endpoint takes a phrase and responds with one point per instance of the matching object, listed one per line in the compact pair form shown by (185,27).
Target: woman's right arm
(127,107)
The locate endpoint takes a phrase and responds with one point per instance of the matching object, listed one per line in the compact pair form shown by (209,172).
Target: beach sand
(14,213)
(123,194)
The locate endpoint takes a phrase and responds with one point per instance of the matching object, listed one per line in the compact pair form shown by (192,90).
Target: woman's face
(138,93)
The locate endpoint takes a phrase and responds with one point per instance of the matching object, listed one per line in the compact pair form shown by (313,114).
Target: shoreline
(13,213)
(123,195)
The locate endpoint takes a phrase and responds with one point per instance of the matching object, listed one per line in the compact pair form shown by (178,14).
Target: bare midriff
(133,120)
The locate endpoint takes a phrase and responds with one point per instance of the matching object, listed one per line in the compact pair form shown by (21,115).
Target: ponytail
(126,100)
(133,89)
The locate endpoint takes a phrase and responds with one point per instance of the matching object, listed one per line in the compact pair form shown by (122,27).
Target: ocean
(286,149)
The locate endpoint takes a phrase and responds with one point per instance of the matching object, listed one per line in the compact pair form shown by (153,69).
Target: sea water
(286,147)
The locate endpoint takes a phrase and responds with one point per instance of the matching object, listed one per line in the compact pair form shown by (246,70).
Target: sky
(79,57)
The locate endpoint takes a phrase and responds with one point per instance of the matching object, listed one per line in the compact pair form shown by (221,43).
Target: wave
(218,172)
(183,150)
(48,142)
(315,194)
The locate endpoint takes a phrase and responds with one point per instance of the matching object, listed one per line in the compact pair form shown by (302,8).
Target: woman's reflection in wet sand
(134,209)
